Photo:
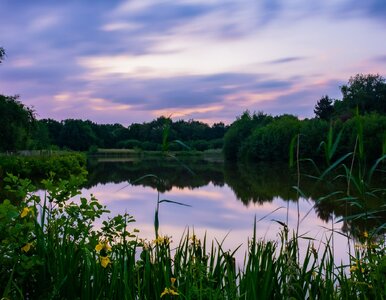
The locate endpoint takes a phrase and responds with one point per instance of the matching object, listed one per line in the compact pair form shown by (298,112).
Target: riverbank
(38,165)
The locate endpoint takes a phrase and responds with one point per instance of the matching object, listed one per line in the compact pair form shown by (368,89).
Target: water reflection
(225,200)
(171,172)
(253,185)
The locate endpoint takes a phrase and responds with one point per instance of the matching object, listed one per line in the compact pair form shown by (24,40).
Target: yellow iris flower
(353,268)
(162,240)
(98,247)
(168,291)
(26,247)
(24,212)
(102,246)
(105,261)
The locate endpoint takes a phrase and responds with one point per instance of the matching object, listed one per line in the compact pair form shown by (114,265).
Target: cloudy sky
(132,61)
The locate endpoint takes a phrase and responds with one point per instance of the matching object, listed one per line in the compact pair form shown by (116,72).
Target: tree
(324,108)
(239,131)
(365,92)
(2,54)
(16,123)
(77,135)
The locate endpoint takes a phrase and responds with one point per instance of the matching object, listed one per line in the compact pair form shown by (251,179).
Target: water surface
(222,200)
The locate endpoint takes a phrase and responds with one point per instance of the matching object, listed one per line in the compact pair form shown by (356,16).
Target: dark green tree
(54,130)
(2,54)
(218,130)
(237,135)
(324,108)
(16,123)
(365,92)
(77,135)
(40,136)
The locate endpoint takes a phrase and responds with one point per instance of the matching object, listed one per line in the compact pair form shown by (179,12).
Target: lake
(220,200)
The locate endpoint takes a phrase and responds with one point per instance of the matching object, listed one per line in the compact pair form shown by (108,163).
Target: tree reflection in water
(251,183)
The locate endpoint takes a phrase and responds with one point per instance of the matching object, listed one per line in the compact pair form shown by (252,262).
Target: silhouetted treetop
(2,54)
(324,108)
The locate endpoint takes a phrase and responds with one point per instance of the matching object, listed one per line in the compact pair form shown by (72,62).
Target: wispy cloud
(380,59)
(285,60)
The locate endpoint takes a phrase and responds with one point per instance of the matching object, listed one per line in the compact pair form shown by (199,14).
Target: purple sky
(209,60)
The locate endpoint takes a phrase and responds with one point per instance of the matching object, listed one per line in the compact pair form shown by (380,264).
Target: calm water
(223,200)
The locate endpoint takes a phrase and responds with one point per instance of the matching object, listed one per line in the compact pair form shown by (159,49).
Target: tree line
(20,130)
(82,135)
(252,136)
(361,112)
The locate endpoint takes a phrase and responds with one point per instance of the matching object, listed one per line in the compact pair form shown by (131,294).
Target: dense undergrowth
(263,138)
(62,164)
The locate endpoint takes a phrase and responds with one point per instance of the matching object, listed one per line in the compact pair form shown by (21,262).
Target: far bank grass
(154,153)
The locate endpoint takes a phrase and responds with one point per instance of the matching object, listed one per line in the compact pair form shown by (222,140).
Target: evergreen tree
(2,54)
(324,108)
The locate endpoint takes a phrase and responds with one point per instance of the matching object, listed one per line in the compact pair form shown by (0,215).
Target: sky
(209,60)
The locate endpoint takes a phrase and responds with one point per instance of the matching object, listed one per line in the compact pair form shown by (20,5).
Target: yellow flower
(102,246)
(26,247)
(162,240)
(98,247)
(353,268)
(24,212)
(105,260)
(172,280)
(195,240)
(365,234)
(168,291)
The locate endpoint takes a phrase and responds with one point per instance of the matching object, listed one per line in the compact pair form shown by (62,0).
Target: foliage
(372,132)
(77,135)
(239,131)
(324,108)
(16,123)
(61,165)
(2,54)
(365,92)
(271,142)
(81,135)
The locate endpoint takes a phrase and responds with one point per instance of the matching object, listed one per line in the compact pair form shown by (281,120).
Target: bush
(39,167)
(271,142)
